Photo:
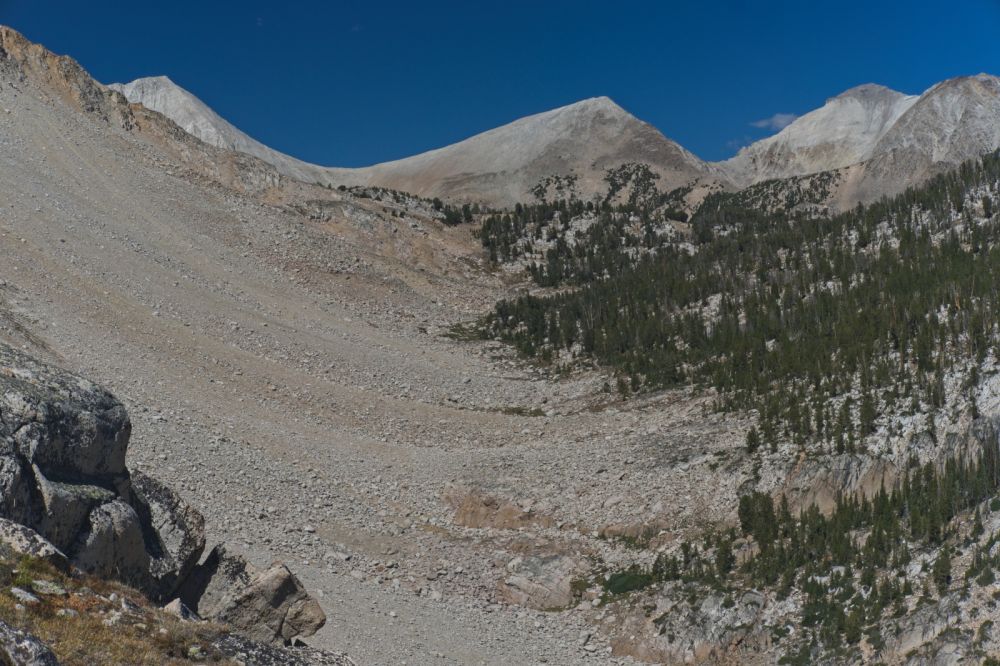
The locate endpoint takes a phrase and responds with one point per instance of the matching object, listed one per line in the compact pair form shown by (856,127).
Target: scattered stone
(24,596)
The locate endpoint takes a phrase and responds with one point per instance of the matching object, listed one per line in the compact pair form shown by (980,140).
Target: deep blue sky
(350,83)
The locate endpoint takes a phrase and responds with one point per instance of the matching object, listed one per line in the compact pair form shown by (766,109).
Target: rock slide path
(288,378)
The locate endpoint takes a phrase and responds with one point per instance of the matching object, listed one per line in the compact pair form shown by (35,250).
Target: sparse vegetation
(82,628)
(820,325)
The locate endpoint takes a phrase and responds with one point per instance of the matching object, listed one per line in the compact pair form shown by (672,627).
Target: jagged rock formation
(65,489)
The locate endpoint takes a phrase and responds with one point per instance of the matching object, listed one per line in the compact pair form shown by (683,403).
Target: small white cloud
(778,121)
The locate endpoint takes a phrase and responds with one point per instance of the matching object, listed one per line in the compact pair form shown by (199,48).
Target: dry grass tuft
(94,629)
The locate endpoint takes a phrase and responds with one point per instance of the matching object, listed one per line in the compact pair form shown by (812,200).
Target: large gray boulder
(112,545)
(271,606)
(204,591)
(66,425)
(66,508)
(63,478)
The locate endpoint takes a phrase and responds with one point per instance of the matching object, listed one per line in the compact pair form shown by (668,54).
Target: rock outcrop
(22,649)
(66,496)
(544,583)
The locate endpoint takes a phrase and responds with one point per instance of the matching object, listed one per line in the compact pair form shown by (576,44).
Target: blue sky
(350,83)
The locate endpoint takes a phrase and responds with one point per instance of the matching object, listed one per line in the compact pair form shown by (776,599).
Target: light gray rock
(113,547)
(541,582)
(21,648)
(66,508)
(208,585)
(18,541)
(273,607)
(178,609)
(269,606)
(23,595)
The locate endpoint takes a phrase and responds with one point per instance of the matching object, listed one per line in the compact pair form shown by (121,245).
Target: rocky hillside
(604,481)
(160,94)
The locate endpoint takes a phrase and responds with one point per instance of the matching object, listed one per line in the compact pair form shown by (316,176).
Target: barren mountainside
(500,166)
(842,132)
(882,139)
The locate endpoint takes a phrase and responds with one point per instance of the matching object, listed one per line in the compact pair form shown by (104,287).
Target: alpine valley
(562,392)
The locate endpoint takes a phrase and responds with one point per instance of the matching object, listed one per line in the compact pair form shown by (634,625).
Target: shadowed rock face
(65,494)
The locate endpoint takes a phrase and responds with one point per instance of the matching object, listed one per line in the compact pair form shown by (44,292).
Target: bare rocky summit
(498,167)
(882,141)
(844,131)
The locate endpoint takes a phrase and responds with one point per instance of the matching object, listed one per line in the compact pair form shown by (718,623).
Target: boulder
(208,585)
(270,606)
(21,648)
(17,541)
(65,494)
(273,607)
(67,425)
(112,545)
(18,497)
(67,507)
(175,538)
(178,609)
(541,582)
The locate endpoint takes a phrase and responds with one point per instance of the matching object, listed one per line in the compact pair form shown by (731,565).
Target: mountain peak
(869,92)
(596,103)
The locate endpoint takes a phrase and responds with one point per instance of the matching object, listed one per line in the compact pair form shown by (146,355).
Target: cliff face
(62,76)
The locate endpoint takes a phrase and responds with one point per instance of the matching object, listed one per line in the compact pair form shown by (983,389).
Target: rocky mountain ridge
(578,142)
(886,141)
